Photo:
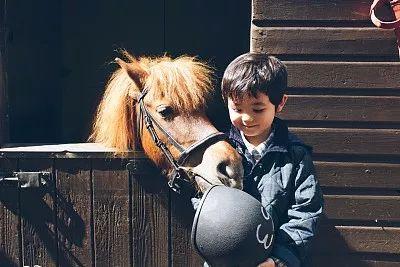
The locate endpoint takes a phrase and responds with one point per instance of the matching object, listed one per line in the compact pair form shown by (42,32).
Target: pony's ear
(134,71)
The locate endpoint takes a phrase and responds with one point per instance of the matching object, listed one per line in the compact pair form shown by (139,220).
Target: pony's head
(176,94)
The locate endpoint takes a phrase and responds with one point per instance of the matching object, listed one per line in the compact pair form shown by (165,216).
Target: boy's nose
(247,118)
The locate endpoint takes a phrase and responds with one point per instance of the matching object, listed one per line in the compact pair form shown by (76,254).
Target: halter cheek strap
(181,176)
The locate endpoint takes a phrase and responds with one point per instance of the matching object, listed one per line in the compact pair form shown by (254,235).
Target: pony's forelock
(185,82)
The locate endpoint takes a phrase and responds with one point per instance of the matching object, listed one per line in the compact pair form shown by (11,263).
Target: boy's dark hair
(252,73)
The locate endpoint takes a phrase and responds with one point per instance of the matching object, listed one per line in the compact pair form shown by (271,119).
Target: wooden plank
(349,239)
(351,141)
(335,10)
(323,41)
(110,212)
(38,217)
(10,237)
(363,75)
(183,253)
(363,208)
(74,212)
(75,150)
(150,216)
(358,175)
(342,108)
(355,260)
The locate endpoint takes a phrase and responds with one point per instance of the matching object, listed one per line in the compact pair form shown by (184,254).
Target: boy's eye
(258,110)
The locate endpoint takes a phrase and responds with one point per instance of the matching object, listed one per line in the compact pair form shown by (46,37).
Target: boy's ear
(282,104)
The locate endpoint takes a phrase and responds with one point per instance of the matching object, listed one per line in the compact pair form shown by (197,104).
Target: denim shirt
(284,181)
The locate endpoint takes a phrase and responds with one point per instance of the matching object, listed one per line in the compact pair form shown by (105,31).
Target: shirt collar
(252,148)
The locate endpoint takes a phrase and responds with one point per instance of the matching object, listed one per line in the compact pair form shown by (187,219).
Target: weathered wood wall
(344,82)
(92,212)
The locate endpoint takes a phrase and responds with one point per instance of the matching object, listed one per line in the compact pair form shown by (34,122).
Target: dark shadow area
(147,175)
(38,215)
(331,249)
(71,231)
(151,180)
(65,49)
(5,261)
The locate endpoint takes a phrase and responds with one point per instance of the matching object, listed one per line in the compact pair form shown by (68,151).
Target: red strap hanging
(395,4)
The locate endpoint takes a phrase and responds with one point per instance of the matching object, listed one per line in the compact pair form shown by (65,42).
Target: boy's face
(253,116)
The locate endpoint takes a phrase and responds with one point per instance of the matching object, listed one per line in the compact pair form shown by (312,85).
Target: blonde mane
(185,81)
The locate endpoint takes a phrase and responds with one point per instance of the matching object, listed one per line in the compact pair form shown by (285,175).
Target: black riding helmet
(231,228)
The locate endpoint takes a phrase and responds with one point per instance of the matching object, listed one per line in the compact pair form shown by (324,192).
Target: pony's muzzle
(221,164)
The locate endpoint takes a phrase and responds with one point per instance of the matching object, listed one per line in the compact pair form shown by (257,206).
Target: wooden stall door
(91,211)
(344,100)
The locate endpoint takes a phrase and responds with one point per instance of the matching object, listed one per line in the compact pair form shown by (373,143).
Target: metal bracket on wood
(132,166)
(25,179)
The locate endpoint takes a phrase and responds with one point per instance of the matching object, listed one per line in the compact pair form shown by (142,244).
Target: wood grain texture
(318,74)
(73,212)
(351,141)
(358,175)
(362,207)
(336,10)
(342,108)
(183,253)
(72,150)
(337,240)
(352,260)
(324,41)
(111,212)
(150,239)
(38,217)
(10,247)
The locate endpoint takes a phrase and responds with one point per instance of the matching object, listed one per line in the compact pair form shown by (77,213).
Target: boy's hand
(268,263)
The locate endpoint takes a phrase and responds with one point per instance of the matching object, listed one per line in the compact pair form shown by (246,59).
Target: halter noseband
(178,179)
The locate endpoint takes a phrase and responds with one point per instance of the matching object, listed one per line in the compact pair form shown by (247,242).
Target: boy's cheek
(235,120)
(233,116)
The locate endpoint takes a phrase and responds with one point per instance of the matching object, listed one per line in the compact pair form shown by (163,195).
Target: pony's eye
(165,111)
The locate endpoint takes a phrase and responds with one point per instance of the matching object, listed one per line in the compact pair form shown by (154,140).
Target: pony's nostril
(221,169)
(230,172)
(225,173)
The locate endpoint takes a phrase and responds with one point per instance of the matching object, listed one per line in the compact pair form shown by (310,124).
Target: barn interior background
(344,100)
(57,54)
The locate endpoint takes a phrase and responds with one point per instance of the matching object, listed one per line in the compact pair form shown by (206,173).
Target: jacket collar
(279,141)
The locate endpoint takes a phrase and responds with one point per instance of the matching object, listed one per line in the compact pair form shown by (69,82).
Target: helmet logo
(267,240)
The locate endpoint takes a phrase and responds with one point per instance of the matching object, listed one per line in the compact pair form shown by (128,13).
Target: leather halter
(180,175)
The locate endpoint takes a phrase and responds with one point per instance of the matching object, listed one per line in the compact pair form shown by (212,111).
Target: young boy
(278,167)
